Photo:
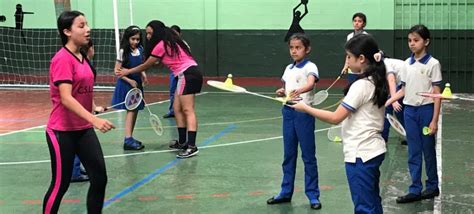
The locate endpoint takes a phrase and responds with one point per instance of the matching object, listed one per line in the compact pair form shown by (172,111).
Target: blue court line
(157,172)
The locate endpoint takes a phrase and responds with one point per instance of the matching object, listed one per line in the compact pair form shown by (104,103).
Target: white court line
(437,205)
(105,113)
(160,151)
(200,125)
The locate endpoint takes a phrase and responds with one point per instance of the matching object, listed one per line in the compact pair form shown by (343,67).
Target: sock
(192,138)
(182,135)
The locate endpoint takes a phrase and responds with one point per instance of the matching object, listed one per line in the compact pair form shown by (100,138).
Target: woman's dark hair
(364,44)
(421,30)
(361,16)
(176,28)
(302,37)
(65,21)
(170,39)
(125,43)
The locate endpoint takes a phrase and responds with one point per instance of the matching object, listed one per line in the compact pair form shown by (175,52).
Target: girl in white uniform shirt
(422,73)
(362,117)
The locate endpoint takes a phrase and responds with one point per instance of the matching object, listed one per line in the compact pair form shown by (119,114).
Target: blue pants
(173,85)
(363,179)
(420,147)
(299,127)
(389,110)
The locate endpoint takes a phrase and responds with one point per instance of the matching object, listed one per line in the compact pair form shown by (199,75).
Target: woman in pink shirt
(70,128)
(166,47)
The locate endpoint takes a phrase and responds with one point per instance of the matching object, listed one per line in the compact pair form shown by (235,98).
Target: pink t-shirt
(66,68)
(177,64)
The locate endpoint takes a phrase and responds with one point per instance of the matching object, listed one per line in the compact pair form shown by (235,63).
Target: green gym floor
(238,167)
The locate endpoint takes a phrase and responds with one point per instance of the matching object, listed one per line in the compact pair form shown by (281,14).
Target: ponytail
(364,44)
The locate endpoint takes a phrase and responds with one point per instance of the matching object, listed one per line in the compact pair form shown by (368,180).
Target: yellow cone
(228,81)
(447,91)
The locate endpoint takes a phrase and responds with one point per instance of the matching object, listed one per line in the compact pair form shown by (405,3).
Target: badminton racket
(322,95)
(155,121)
(335,133)
(132,100)
(238,89)
(452,97)
(396,124)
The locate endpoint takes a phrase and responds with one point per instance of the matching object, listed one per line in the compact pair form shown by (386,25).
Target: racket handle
(290,102)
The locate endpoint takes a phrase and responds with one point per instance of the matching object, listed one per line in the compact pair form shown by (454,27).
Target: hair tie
(378,56)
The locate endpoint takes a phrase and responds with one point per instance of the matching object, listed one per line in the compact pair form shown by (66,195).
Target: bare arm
(73,105)
(142,67)
(307,87)
(396,97)
(118,66)
(436,111)
(335,117)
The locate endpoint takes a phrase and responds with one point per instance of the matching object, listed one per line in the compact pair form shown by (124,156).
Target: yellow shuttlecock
(337,139)
(228,82)
(447,91)
(426,130)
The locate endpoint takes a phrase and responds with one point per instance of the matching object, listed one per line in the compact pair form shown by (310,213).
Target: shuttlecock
(426,130)
(447,91)
(228,81)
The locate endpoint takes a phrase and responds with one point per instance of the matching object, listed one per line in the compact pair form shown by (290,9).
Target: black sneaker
(187,153)
(174,144)
(429,193)
(408,198)
(169,115)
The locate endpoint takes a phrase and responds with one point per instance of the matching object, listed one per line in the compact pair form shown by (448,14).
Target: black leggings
(63,146)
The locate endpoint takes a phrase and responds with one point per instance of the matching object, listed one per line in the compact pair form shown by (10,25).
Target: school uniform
(298,127)
(393,67)
(363,146)
(122,87)
(420,76)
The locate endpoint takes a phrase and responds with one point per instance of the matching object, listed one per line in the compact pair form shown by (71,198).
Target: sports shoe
(169,115)
(187,153)
(429,193)
(80,178)
(274,200)
(132,144)
(174,144)
(408,198)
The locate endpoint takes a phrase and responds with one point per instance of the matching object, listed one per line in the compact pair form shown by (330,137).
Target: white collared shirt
(420,76)
(296,76)
(394,66)
(361,130)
